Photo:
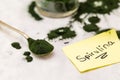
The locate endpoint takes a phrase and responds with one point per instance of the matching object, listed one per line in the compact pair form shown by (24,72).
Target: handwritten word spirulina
(98,53)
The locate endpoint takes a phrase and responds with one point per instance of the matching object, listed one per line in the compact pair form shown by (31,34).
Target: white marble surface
(55,67)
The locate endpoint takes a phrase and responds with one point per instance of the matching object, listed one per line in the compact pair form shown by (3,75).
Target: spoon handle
(14,29)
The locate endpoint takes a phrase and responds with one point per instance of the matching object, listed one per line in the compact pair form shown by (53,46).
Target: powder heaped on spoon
(40,47)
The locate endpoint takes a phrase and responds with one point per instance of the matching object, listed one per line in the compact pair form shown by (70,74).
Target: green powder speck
(63,32)
(94,19)
(94,7)
(32,11)
(90,27)
(26,53)
(40,47)
(87,8)
(29,58)
(16,45)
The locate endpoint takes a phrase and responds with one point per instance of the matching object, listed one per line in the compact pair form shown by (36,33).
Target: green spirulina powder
(94,7)
(63,32)
(40,47)
(27,56)
(16,45)
(32,11)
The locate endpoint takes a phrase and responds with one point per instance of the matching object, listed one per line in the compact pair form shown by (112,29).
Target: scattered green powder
(16,45)
(29,58)
(91,27)
(40,47)
(91,7)
(32,11)
(26,53)
(63,32)
(94,19)
(94,7)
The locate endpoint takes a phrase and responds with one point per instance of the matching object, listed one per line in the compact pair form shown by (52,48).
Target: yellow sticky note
(95,52)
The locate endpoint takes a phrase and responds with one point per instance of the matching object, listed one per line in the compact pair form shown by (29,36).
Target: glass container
(57,8)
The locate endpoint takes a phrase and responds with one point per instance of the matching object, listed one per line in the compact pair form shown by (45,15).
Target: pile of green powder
(61,33)
(27,56)
(40,47)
